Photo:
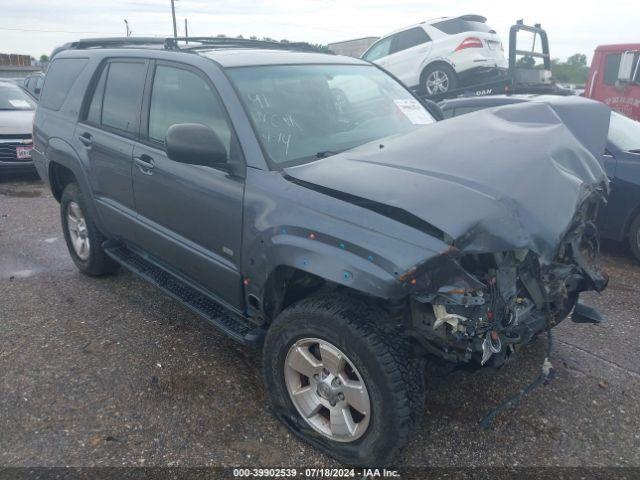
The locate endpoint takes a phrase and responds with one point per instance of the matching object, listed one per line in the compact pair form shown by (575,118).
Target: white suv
(440,55)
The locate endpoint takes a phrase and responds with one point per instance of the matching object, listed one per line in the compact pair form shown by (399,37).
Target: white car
(440,55)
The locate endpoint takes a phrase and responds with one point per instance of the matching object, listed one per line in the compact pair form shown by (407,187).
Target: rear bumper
(481,74)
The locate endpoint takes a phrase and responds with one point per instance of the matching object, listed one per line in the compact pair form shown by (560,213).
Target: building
(352,48)
(16,66)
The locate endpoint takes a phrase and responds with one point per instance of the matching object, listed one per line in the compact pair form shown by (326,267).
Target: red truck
(614,78)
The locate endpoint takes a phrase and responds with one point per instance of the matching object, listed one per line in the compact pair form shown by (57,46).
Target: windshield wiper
(326,153)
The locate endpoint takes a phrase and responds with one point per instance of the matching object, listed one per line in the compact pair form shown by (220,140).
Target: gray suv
(310,206)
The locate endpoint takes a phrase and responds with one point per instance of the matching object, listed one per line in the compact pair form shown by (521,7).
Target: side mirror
(194,144)
(36,90)
(625,72)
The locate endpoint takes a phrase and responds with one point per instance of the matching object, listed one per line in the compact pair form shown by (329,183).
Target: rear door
(109,126)
(190,216)
(409,49)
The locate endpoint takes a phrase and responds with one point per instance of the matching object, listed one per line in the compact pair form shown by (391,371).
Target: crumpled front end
(480,307)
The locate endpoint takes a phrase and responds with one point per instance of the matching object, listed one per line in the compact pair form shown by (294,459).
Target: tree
(44,58)
(574,70)
(577,59)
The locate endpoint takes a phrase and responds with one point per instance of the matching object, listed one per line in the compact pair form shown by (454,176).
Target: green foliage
(574,70)
(44,58)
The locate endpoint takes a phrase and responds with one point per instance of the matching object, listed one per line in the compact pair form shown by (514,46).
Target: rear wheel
(437,79)
(634,237)
(83,238)
(341,379)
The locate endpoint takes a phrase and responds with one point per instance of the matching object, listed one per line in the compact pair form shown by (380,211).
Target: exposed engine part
(499,300)
(490,346)
(442,317)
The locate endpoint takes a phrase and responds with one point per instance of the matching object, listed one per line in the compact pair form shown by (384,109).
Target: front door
(189,216)
(621,97)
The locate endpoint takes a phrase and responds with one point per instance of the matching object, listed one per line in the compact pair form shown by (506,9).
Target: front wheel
(438,79)
(342,380)
(634,237)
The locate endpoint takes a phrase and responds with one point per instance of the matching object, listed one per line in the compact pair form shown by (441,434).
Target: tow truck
(521,77)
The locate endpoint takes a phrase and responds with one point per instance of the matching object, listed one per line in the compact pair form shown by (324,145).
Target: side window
(410,38)
(61,76)
(611,67)
(182,96)
(123,95)
(379,50)
(94,112)
(39,81)
(29,84)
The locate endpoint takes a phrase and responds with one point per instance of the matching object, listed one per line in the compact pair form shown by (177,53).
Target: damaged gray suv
(308,205)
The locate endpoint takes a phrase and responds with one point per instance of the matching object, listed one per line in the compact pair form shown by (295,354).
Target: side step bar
(233,325)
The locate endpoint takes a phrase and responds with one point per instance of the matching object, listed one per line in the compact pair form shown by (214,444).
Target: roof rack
(189,43)
(204,43)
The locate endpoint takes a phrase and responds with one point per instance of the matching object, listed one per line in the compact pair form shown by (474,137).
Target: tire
(442,71)
(92,261)
(634,237)
(380,358)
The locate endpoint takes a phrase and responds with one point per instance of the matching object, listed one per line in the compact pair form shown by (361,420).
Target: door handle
(86,139)
(145,164)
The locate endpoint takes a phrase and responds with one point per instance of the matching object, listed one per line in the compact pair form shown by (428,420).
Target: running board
(233,325)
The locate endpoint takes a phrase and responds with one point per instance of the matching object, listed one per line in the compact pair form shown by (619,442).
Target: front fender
(336,262)
(286,224)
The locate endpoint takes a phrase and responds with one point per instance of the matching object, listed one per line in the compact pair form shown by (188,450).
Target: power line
(72,31)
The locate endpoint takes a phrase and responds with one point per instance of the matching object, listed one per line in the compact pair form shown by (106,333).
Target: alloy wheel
(78,233)
(437,82)
(327,390)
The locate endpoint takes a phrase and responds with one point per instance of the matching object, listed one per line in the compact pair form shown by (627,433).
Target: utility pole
(127,26)
(173,14)
(186,30)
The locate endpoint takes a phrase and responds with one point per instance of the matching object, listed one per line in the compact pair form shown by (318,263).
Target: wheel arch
(63,167)
(629,221)
(289,282)
(439,61)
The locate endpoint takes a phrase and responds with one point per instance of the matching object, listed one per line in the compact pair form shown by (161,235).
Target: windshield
(624,133)
(305,112)
(12,98)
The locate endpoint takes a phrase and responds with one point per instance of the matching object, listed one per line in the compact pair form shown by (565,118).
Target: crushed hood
(507,178)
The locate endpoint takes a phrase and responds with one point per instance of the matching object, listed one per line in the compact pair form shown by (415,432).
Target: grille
(8,148)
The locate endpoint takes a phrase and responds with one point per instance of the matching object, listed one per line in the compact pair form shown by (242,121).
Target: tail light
(470,42)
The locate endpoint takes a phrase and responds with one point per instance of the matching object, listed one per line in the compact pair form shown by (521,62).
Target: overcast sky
(37,26)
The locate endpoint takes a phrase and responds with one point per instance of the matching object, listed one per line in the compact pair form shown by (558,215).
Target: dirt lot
(112,372)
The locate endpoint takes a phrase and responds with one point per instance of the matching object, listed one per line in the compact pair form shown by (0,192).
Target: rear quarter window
(61,76)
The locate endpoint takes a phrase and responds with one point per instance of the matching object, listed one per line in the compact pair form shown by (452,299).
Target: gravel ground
(111,372)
